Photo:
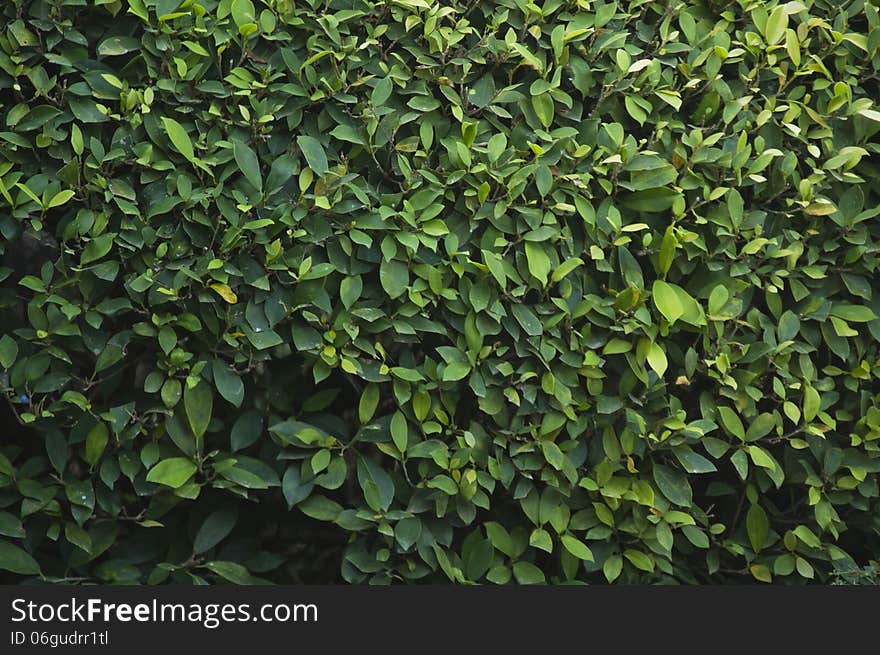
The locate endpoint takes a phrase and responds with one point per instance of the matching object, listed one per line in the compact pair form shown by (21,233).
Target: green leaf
(407,532)
(693,462)
(527,320)
(8,351)
(179,138)
(807,536)
(478,559)
(215,528)
(673,485)
(657,359)
(368,403)
(455,371)
(652,200)
(60,198)
(761,425)
(368,470)
(500,538)
(382,91)
(776,25)
(350,290)
(761,458)
(731,422)
(757,526)
(666,300)
(544,108)
(528,573)
(399,431)
(10,526)
(394,276)
(667,250)
(96,442)
(371,495)
(538,261)
(613,567)
(761,573)
(97,248)
(320,507)
(576,547)
(228,383)
(17,560)
(294,488)
(314,153)
(198,401)
(812,402)
(171,392)
(246,430)
(554,456)
(231,571)
(853,313)
(118,45)
(242,12)
(248,163)
(540,539)
(804,568)
(718,299)
(639,560)
(789,326)
(565,268)
(498,144)
(172,472)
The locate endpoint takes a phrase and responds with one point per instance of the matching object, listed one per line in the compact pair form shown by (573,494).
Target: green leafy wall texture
(483,292)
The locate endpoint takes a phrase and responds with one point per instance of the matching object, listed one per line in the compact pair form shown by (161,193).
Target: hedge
(376,292)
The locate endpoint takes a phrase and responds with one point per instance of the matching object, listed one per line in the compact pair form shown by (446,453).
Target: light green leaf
(731,422)
(576,547)
(540,539)
(179,138)
(657,359)
(776,25)
(538,261)
(368,402)
(544,108)
(565,268)
(666,300)
(173,472)
(639,559)
(812,402)
(613,567)
(60,198)
(528,573)
(399,431)
(96,441)
(455,371)
(320,507)
(554,456)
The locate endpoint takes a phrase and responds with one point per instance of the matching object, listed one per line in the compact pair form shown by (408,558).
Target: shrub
(412,291)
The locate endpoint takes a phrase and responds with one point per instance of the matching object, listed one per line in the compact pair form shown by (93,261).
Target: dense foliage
(497,291)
